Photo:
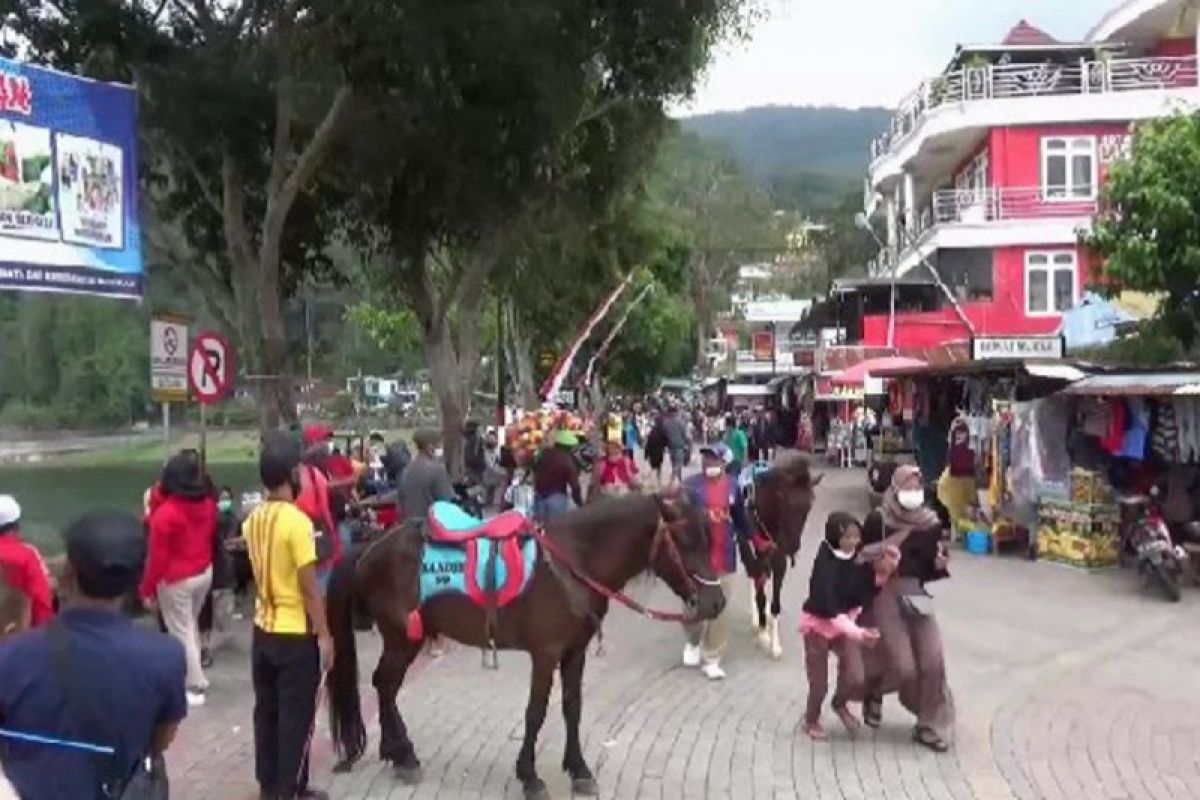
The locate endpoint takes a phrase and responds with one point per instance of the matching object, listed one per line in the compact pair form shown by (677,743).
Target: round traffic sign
(210,367)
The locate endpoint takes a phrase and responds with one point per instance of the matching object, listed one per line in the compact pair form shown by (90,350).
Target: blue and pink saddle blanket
(490,561)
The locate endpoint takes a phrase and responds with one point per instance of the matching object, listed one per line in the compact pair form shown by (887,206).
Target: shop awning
(1138,384)
(748,390)
(857,375)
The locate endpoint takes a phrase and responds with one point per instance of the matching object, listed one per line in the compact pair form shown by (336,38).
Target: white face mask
(841,555)
(911,499)
(713,472)
(438,453)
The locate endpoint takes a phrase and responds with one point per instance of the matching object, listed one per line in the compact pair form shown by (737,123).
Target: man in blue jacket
(717,492)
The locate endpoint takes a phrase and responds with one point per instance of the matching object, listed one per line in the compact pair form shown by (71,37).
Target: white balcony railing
(979,84)
(984,206)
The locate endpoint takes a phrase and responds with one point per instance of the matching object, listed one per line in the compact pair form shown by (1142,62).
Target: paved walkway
(1068,685)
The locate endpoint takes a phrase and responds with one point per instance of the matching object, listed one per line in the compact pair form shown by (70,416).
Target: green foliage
(845,248)
(1148,233)
(1153,344)
(656,342)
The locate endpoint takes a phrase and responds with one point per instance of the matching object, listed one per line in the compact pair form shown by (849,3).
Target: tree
(486,113)
(241,105)
(1147,234)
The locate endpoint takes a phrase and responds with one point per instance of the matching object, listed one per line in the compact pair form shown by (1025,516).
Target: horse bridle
(664,538)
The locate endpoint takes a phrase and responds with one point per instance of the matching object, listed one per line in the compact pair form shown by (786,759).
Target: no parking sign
(210,368)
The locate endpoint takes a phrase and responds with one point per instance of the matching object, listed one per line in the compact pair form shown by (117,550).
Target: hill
(807,156)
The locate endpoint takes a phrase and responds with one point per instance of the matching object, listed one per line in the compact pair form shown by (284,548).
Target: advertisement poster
(68,184)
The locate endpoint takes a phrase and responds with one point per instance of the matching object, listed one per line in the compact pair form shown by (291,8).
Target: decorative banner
(608,340)
(555,380)
(763,346)
(68,184)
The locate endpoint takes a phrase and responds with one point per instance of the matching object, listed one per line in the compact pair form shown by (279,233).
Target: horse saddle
(449,524)
(491,561)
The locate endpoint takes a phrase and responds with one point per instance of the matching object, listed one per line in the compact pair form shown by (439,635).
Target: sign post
(168,367)
(210,377)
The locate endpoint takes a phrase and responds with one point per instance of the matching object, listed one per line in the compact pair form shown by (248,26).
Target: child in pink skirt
(843,582)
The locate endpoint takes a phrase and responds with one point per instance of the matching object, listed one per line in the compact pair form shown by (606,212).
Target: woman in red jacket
(178,570)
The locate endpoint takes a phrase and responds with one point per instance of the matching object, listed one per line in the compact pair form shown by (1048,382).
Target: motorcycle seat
(450,524)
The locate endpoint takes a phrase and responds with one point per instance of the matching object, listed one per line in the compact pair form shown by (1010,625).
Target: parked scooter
(1147,542)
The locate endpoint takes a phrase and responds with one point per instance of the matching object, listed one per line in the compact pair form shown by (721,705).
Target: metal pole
(891,341)
(308,335)
(203,436)
(166,426)
(501,367)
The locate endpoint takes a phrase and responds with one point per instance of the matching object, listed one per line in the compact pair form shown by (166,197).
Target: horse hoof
(764,640)
(535,789)
(585,787)
(408,775)
(777,652)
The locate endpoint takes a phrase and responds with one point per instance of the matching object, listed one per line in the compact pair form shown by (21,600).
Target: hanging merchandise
(1164,436)
(1137,432)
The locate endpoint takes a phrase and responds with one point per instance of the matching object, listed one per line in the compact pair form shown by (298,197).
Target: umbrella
(857,375)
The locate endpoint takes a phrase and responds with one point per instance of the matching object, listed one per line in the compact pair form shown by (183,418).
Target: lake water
(51,496)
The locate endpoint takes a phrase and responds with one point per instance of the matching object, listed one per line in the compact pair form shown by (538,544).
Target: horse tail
(345,706)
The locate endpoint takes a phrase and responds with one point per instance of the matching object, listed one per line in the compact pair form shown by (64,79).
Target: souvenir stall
(1127,433)
(839,421)
(973,425)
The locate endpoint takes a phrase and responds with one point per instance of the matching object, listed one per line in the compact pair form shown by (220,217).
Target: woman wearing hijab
(910,659)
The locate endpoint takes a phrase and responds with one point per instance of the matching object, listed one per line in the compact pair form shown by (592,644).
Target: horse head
(783,500)
(680,556)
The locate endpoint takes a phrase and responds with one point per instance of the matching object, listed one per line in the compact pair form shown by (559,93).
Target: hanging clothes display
(1164,434)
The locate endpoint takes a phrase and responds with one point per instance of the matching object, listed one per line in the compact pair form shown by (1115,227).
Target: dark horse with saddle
(508,584)
(778,500)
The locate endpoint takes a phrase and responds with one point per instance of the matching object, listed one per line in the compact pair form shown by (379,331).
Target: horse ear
(668,503)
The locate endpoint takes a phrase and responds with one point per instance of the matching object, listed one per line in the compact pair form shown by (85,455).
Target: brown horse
(778,511)
(586,556)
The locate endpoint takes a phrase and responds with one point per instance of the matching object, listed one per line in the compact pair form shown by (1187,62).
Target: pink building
(991,170)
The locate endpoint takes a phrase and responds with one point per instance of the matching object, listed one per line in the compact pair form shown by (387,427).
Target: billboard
(68,184)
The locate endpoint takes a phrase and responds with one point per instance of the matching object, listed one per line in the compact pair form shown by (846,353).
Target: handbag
(149,778)
(916,606)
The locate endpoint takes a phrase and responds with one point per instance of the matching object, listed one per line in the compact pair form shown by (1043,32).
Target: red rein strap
(557,554)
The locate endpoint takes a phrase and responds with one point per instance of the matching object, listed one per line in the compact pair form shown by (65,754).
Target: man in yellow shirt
(292,648)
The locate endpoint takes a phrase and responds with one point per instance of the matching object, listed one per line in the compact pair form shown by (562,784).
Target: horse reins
(557,554)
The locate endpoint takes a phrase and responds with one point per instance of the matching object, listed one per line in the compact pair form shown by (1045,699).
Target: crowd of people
(193,551)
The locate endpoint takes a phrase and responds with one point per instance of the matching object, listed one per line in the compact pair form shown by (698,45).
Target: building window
(1050,282)
(1069,168)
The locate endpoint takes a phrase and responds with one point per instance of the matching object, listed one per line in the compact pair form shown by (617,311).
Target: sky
(867,52)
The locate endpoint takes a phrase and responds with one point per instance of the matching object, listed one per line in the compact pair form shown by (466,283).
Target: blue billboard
(68,184)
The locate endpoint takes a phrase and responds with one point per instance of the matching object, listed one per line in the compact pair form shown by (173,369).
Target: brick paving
(1067,685)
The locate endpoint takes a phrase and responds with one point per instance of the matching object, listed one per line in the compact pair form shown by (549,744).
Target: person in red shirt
(316,499)
(178,572)
(22,564)
(614,475)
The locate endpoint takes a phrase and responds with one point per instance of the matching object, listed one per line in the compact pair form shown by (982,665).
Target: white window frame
(1072,146)
(1050,268)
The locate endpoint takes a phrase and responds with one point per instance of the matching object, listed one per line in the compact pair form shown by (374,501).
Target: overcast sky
(868,52)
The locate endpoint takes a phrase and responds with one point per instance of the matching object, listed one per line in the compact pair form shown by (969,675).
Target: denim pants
(551,506)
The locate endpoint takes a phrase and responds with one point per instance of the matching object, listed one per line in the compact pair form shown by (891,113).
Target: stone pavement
(1067,685)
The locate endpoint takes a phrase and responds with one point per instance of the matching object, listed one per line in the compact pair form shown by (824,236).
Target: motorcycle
(1147,542)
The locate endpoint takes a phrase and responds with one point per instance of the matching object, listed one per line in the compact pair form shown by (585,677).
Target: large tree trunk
(520,358)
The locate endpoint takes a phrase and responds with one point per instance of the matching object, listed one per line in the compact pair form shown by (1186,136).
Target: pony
(586,557)
(777,509)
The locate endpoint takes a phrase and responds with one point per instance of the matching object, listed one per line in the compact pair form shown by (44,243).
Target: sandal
(873,711)
(815,732)
(927,738)
(850,722)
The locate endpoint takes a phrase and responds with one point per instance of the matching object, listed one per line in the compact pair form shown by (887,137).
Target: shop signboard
(996,348)
(764,346)
(68,184)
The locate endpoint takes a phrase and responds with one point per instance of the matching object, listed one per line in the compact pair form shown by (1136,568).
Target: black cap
(107,551)
(281,454)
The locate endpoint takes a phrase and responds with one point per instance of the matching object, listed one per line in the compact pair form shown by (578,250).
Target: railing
(973,84)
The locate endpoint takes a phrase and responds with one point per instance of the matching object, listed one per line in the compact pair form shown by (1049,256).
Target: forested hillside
(807,157)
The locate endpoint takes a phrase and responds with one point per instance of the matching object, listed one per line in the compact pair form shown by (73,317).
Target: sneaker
(691,655)
(195,697)
(712,670)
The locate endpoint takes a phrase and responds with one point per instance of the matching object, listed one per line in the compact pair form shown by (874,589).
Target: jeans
(551,506)
(286,671)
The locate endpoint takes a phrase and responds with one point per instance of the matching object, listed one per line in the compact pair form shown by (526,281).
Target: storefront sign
(1009,347)
(764,346)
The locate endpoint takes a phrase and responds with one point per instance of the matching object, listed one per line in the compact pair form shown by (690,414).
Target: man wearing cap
(22,563)
(425,480)
(715,491)
(556,478)
(91,676)
(291,646)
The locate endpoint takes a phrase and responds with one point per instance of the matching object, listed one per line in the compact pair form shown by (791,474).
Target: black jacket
(918,553)
(837,585)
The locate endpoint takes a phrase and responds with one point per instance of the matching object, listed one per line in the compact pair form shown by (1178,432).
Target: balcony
(970,86)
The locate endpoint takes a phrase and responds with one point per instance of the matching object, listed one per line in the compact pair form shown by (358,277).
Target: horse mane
(793,469)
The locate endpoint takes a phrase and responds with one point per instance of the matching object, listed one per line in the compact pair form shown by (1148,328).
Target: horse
(777,510)
(585,557)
